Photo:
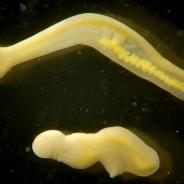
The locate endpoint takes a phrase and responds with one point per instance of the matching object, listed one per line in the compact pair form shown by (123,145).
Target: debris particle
(22,7)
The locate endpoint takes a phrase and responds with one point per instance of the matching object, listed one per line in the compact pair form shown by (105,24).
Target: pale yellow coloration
(117,148)
(141,63)
(111,38)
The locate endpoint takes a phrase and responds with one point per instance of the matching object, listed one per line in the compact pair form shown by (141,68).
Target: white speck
(22,7)
(168,11)
(168,172)
(27,149)
(80,108)
(87,110)
(134,104)
(79,52)
(102,71)
(177,131)
(143,109)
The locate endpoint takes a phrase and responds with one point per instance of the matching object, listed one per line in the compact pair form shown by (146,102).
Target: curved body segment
(111,38)
(117,148)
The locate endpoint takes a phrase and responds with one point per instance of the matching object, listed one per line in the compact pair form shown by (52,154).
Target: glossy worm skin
(111,38)
(117,148)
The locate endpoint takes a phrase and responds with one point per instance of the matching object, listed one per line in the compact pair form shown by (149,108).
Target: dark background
(79,89)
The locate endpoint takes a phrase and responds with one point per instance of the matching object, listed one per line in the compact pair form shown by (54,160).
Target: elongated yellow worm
(111,38)
(117,148)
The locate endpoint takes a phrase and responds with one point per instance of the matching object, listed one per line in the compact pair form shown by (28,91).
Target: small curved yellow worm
(117,148)
(110,37)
